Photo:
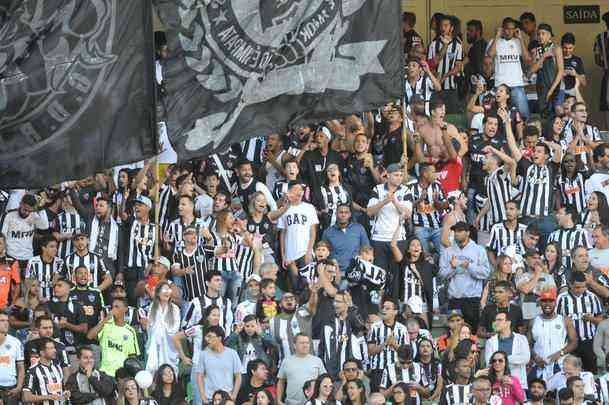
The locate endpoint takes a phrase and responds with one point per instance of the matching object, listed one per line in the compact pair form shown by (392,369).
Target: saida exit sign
(582,14)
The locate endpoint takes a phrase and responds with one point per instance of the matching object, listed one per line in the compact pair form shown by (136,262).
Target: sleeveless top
(550,335)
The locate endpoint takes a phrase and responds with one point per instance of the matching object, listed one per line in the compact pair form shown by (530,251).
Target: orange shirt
(9,272)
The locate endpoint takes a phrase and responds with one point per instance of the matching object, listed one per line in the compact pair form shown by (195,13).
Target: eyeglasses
(497,361)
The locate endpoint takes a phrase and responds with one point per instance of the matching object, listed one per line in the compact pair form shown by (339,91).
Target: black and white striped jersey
(581,149)
(252,149)
(568,239)
(332,196)
(499,191)
(104,237)
(413,284)
(195,310)
(425,214)
(486,219)
(335,344)
(395,374)
(175,231)
(572,191)
(423,87)
(453,54)
(45,380)
(456,394)
(69,223)
(194,284)
(94,263)
(38,269)
(238,258)
(141,239)
(537,188)
(166,195)
(378,335)
(574,307)
(503,237)
(602,388)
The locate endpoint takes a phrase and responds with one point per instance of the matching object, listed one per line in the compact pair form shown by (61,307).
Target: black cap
(460,226)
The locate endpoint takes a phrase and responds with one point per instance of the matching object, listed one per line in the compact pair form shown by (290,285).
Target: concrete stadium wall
(551,11)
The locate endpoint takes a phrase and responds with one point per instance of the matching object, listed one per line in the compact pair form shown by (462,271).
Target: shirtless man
(431,132)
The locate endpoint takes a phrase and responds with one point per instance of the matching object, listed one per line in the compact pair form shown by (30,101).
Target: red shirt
(449,174)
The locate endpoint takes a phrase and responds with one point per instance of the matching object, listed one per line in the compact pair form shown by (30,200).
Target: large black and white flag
(244,68)
(76,88)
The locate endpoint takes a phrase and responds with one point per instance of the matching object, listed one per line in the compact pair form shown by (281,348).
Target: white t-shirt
(11,351)
(508,69)
(204,205)
(19,232)
(297,222)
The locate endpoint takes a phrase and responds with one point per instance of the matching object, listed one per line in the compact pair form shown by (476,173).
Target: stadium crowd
(309,267)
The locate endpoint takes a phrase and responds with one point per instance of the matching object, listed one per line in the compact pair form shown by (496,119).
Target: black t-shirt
(74,314)
(247,392)
(393,148)
(359,179)
(475,56)
(476,144)
(92,304)
(487,317)
(576,63)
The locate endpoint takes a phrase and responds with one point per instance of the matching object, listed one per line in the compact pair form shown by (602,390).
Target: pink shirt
(509,394)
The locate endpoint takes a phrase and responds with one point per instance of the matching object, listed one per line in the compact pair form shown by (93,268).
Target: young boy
(267,306)
(366,281)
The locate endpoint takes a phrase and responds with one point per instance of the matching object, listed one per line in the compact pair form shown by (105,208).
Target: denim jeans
(471,211)
(232,286)
(427,236)
(519,99)
(196,394)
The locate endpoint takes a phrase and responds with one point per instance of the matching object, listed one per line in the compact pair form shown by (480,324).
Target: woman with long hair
(323,393)
(121,195)
(400,393)
(131,394)
(211,317)
(571,181)
(416,274)
(553,130)
(354,393)
(333,194)
(431,370)
(220,397)
(260,224)
(162,323)
(596,212)
(553,256)
(22,312)
(264,397)
(167,390)
(505,386)
(503,100)
(502,272)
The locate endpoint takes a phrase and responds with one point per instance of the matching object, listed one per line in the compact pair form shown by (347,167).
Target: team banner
(244,68)
(76,88)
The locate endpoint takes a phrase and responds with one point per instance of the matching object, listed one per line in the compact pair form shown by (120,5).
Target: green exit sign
(582,14)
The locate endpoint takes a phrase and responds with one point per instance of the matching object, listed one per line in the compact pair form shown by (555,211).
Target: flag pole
(405,133)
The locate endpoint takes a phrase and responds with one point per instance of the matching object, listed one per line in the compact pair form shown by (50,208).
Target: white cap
(163,261)
(144,200)
(254,277)
(416,304)
(327,132)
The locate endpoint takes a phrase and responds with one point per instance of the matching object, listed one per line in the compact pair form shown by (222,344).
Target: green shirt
(117,343)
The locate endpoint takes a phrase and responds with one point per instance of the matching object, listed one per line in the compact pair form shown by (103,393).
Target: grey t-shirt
(219,370)
(297,371)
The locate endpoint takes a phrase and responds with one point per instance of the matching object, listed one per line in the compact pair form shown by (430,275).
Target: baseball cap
(254,277)
(326,132)
(460,226)
(455,313)
(547,295)
(144,200)
(416,304)
(163,261)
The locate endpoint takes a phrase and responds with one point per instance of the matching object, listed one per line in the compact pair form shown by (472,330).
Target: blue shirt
(505,344)
(346,243)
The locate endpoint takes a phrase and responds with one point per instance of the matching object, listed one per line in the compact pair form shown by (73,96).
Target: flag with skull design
(244,68)
(76,88)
